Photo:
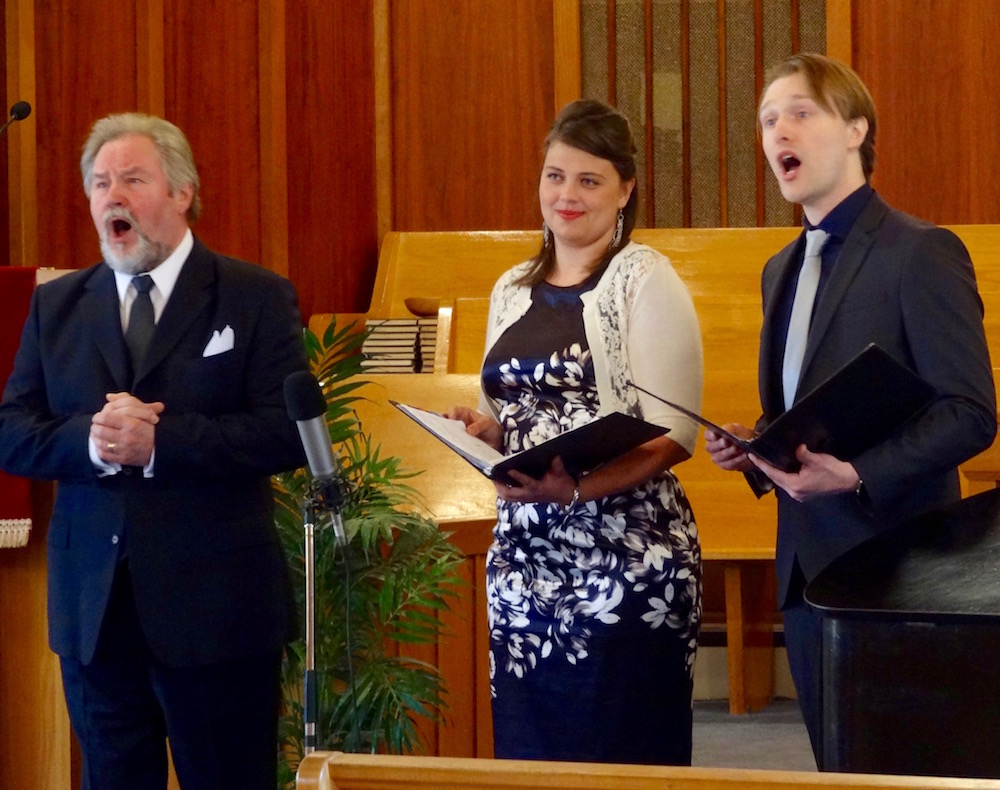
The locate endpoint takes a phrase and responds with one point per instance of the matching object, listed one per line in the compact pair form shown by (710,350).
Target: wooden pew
(339,771)
(450,275)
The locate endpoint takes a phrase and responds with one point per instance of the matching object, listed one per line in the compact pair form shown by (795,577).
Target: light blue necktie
(798,325)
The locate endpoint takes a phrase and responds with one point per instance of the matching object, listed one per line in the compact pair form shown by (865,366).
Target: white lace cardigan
(640,324)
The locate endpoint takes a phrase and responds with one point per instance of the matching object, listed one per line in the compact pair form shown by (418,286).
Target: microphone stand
(309,681)
(328,496)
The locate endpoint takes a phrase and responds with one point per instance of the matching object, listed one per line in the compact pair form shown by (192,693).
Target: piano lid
(941,567)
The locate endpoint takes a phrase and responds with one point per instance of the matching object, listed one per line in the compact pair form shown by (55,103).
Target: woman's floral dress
(593,614)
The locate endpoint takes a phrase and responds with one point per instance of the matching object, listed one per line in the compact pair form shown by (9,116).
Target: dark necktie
(140,321)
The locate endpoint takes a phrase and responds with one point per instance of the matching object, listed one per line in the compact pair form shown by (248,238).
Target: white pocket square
(220,343)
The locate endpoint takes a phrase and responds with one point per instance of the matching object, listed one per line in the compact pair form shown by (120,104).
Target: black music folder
(581,449)
(860,405)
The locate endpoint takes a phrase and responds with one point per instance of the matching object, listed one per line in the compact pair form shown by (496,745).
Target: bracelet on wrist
(572,503)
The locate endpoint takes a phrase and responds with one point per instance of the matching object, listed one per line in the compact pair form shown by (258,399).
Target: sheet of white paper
(453,433)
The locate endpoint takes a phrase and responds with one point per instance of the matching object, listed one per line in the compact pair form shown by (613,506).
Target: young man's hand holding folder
(858,407)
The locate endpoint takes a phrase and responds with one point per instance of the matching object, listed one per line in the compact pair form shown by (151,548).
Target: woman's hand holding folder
(482,426)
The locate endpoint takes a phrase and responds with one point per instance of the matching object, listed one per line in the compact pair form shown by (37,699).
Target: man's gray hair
(171,144)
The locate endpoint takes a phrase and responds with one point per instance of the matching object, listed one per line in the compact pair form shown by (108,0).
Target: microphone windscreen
(20,110)
(303,396)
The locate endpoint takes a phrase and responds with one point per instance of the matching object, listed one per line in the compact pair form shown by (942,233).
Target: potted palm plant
(373,597)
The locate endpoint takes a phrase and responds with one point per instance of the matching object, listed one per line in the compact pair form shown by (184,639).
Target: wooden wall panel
(273,144)
(931,67)
(149,56)
(19,38)
(472,99)
(70,97)
(567,53)
(212,93)
(331,154)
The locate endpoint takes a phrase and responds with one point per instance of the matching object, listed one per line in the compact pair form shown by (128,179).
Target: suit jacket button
(114,539)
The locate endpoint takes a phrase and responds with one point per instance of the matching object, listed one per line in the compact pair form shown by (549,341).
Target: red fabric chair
(16,285)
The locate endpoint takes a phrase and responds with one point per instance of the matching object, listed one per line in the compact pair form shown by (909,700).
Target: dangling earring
(617,238)
(546,235)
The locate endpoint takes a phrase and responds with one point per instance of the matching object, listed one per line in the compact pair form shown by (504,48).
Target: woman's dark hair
(601,131)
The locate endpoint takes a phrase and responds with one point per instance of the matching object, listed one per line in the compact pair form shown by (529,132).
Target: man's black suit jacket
(209,578)
(909,287)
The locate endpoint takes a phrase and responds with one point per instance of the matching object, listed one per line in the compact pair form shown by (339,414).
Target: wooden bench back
(451,274)
(419,273)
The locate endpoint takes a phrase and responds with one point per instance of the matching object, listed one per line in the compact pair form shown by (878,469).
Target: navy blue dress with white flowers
(594,614)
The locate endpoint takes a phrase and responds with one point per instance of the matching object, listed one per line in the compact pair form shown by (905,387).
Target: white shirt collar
(164,276)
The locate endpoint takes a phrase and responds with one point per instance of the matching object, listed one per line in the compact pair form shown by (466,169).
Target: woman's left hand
(556,485)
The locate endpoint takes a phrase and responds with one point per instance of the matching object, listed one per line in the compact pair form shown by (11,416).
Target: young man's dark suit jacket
(909,287)
(209,577)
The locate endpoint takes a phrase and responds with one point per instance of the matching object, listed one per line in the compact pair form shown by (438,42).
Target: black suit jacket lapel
(852,256)
(100,300)
(783,266)
(192,294)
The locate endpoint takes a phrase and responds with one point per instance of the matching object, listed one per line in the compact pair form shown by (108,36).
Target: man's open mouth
(790,163)
(118,227)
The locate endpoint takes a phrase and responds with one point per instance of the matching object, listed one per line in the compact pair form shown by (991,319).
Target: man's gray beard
(146,256)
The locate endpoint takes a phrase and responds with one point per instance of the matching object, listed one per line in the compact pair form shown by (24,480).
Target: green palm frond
(403,573)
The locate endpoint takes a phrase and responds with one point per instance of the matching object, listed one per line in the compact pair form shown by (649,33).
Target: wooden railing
(337,771)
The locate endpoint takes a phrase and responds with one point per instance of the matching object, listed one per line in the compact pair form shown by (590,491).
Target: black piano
(911,647)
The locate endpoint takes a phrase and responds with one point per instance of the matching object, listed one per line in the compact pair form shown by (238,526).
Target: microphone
(18,112)
(307,407)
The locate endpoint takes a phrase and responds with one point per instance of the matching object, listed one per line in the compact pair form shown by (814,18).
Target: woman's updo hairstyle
(602,131)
